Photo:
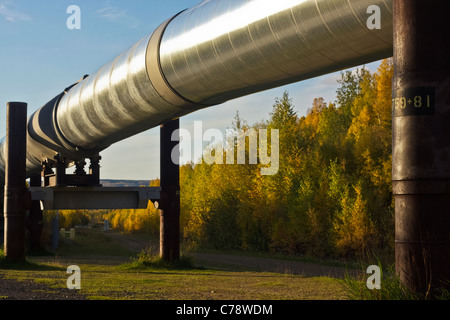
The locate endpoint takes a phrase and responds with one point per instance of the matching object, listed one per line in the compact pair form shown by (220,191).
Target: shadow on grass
(6,263)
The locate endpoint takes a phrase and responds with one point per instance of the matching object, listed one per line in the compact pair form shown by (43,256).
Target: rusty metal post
(170,191)
(16,194)
(421,143)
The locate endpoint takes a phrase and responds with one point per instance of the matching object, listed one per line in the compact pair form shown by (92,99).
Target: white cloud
(117,15)
(112,13)
(13,15)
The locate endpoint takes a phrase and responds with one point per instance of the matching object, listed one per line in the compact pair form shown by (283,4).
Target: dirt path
(240,262)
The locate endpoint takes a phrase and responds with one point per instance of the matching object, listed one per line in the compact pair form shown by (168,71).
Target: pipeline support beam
(35,218)
(170,191)
(421,143)
(79,198)
(15,195)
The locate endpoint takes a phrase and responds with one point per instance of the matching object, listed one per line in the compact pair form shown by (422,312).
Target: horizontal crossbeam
(60,198)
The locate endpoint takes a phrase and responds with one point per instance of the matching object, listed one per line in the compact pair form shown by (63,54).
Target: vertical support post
(2,219)
(35,217)
(46,173)
(15,202)
(60,170)
(421,143)
(94,168)
(170,191)
(55,231)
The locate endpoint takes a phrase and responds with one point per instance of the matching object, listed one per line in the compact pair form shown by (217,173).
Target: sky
(40,56)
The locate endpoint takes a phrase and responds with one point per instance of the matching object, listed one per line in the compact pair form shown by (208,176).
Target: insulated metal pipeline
(216,51)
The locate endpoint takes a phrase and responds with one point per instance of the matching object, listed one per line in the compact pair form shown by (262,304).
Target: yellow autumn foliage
(135,220)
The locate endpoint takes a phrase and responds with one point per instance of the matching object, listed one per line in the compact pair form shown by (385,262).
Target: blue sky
(40,56)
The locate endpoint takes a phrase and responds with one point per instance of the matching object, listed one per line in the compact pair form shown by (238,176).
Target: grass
(91,242)
(143,276)
(108,282)
(148,258)
(391,288)
(112,271)
(23,265)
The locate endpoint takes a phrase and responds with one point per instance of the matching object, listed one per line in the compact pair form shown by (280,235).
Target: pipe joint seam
(155,73)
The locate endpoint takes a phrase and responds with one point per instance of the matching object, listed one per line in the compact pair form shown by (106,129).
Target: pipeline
(214,52)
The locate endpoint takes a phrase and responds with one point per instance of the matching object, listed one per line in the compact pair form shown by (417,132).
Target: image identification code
(225,309)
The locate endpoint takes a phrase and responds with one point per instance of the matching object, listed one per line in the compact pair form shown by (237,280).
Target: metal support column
(421,143)
(170,191)
(35,217)
(16,198)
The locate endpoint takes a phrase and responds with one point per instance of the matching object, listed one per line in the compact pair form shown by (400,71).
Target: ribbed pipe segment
(225,49)
(214,52)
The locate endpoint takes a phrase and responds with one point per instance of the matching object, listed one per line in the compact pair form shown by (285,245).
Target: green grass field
(109,282)
(110,270)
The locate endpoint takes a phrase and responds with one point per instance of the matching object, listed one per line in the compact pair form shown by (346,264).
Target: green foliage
(350,89)
(331,196)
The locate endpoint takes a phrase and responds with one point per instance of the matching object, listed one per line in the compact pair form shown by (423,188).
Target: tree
(284,118)
(350,89)
(355,232)
(332,193)
(383,99)
(283,112)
